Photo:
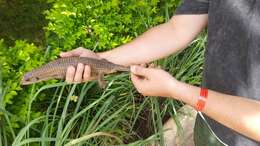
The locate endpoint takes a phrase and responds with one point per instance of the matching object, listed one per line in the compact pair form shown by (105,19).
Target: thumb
(75,52)
(138,70)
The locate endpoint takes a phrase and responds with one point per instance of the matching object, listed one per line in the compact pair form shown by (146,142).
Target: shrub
(59,114)
(100,24)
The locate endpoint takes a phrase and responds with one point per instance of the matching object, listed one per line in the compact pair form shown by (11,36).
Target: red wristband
(202,99)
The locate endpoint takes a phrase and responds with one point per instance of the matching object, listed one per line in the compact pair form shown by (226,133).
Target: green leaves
(110,23)
(15,61)
(83,112)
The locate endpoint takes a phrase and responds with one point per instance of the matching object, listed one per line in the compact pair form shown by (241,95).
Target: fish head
(30,78)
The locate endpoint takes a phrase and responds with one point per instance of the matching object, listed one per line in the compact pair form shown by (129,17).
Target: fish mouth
(25,79)
(24,82)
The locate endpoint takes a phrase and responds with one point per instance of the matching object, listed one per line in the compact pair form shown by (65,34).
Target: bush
(22,19)
(99,24)
(14,62)
(59,114)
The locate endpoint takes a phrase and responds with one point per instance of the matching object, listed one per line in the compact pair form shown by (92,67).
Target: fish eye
(32,79)
(26,79)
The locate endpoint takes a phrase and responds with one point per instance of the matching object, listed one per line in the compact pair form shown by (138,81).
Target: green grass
(83,114)
(104,117)
(98,118)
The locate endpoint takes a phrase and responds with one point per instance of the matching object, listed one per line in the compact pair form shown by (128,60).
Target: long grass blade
(86,137)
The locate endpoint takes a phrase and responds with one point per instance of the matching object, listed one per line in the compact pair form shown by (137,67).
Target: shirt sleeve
(193,7)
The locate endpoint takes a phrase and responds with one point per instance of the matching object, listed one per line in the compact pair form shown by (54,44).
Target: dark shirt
(232,58)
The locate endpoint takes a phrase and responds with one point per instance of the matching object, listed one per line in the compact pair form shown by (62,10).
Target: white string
(200,114)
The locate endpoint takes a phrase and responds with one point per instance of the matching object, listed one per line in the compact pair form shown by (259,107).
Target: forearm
(237,113)
(159,41)
(156,43)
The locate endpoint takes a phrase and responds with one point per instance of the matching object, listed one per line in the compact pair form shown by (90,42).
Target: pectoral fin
(101,82)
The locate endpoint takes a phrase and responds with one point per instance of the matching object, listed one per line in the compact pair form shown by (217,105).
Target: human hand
(81,73)
(153,82)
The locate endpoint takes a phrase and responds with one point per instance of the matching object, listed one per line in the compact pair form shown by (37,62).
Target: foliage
(105,24)
(92,108)
(22,19)
(15,61)
(54,113)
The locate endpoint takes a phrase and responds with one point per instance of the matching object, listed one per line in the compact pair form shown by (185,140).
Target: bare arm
(159,41)
(238,113)
(156,43)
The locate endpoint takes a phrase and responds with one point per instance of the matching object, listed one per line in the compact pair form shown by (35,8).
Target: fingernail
(133,68)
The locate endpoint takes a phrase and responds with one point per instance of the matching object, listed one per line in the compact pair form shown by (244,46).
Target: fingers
(70,74)
(87,73)
(80,52)
(139,83)
(75,52)
(138,70)
(135,79)
(79,73)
